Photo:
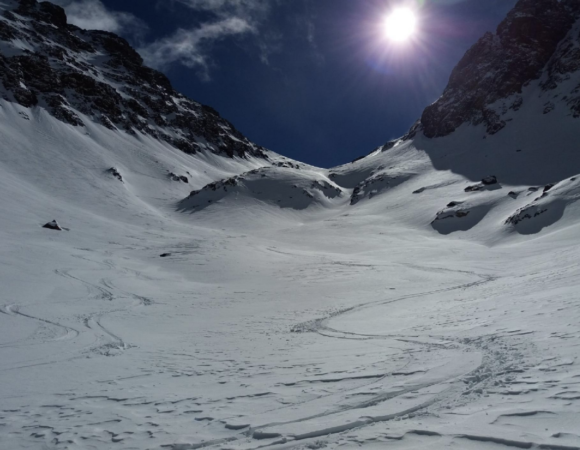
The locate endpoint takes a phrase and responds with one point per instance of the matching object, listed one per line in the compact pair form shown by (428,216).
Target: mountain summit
(49,63)
(538,41)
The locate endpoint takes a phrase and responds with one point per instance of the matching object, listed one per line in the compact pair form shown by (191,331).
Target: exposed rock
(72,72)
(500,65)
(179,178)
(287,165)
(547,209)
(474,188)
(460,216)
(526,213)
(280,186)
(43,12)
(448,214)
(489,181)
(374,185)
(114,172)
(549,107)
(53,226)
(388,146)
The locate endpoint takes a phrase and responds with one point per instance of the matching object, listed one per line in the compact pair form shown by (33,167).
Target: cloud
(306,23)
(93,15)
(250,10)
(253,12)
(191,47)
(226,18)
(223,19)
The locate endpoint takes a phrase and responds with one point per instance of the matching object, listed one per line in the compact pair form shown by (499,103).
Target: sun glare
(401,24)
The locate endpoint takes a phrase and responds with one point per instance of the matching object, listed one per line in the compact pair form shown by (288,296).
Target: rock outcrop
(538,40)
(53,226)
(46,62)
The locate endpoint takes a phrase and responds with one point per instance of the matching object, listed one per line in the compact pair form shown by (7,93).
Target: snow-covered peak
(538,36)
(70,72)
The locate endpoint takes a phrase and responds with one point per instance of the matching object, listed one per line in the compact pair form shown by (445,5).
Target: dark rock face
(527,213)
(562,67)
(114,172)
(451,213)
(43,12)
(181,178)
(501,64)
(52,226)
(376,184)
(98,74)
(489,181)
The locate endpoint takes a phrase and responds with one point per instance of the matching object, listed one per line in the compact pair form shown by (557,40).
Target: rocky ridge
(70,72)
(539,40)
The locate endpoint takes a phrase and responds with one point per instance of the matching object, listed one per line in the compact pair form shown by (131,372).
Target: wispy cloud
(218,20)
(191,47)
(306,22)
(226,18)
(250,10)
(93,15)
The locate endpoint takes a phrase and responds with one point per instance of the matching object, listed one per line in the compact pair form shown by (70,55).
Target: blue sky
(314,80)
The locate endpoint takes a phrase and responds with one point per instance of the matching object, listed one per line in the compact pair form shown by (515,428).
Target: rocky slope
(46,62)
(537,41)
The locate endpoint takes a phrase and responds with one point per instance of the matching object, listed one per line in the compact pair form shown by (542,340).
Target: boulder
(113,171)
(180,178)
(53,226)
(489,181)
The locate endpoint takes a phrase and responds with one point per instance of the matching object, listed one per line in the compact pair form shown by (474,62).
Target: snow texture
(268,308)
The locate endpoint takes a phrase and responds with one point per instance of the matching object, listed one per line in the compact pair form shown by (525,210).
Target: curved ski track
(456,388)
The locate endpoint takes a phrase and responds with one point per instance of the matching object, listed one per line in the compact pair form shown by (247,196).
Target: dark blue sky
(310,79)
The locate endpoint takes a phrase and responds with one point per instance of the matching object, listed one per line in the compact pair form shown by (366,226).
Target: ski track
(105,342)
(322,329)
(392,302)
(14,310)
(459,388)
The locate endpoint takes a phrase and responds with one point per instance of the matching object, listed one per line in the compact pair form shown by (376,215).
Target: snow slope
(333,326)
(395,302)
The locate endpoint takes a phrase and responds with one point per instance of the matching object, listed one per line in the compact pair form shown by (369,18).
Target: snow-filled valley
(199,291)
(266,324)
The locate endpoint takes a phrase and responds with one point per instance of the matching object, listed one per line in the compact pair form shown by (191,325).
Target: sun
(401,24)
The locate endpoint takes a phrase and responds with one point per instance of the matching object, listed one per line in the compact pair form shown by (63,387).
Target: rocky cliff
(538,40)
(46,62)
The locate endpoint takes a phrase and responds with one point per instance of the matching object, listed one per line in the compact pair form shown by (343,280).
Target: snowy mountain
(536,44)
(65,70)
(509,112)
(199,291)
